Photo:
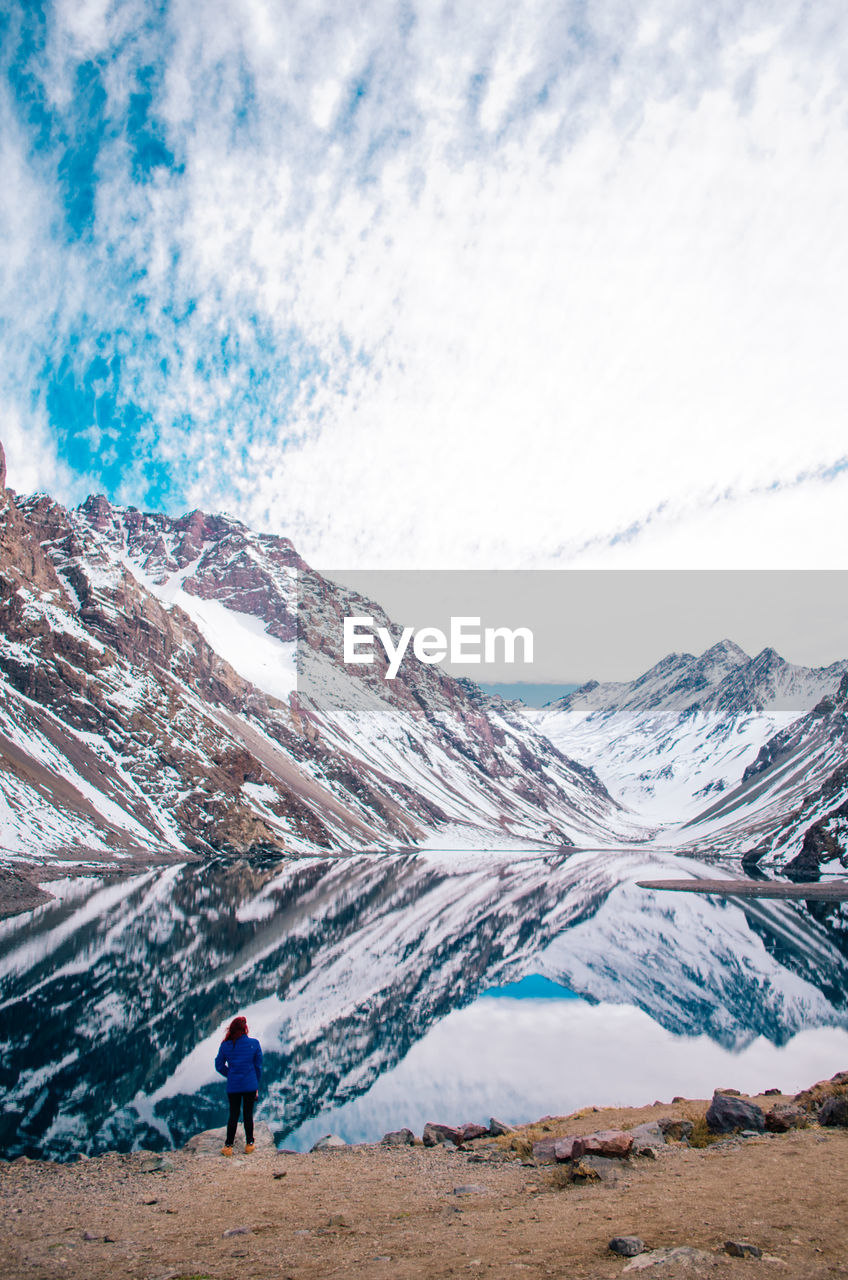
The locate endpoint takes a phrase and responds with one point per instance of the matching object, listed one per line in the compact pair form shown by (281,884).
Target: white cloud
(493,321)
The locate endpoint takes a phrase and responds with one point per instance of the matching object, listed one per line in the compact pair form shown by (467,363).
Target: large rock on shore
(210,1142)
(471,1131)
(398,1138)
(436,1134)
(835,1112)
(614,1143)
(545,1150)
(647,1137)
(786,1116)
(727,1114)
(329,1142)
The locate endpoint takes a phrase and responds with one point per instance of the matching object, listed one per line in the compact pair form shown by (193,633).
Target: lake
(392,989)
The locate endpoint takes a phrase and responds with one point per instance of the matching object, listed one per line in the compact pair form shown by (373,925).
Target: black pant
(237,1100)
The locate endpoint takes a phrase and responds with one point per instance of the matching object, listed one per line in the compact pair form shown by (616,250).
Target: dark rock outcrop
(727,1114)
(834,1112)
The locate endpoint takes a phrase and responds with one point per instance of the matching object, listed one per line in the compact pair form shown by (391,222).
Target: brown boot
(249,1148)
(226,1151)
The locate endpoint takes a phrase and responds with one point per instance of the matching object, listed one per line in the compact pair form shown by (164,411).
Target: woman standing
(240,1060)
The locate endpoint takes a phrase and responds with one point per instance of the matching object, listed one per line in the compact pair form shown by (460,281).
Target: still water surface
(389,990)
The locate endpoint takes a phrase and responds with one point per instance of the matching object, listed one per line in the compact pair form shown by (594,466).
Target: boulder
(674,1129)
(647,1137)
(471,1131)
(398,1138)
(786,1116)
(834,1112)
(614,1143)
(627,1246)
(497,1128)
(329,1142)
(728,1093)
(564,1148)
(729,1114)
(545,1150)
(436,1134)
(210,1141)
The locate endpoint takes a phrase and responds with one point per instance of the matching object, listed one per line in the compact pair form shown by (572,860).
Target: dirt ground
(395,1214)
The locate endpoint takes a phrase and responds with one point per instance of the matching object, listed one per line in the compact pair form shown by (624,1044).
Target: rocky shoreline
(679,1189)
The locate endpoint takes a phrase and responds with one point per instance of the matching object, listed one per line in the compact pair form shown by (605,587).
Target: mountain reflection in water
(114,997)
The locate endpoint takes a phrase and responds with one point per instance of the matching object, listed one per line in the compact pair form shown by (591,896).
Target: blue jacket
(241,1062)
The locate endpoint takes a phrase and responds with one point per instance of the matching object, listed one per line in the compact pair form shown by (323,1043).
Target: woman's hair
(236,1029)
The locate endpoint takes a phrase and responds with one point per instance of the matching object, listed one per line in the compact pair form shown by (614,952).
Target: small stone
(627,1246)
(739,1249)
(338,1220)
(497,1128)
(329,1142)
(595,1169)
(235,1231)
(398,1138)
(280,1173)
(152,1163)
(469,1189)
(772,1093)
(728,1093)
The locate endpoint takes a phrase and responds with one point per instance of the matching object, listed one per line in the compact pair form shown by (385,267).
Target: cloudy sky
(435,284)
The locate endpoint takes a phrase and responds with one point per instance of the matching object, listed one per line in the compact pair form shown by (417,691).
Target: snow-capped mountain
(790,807)
(147,677)
(676,742)
(148,706)
(342,964)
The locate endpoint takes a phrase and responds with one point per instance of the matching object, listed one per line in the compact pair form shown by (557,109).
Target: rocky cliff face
(148,673)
